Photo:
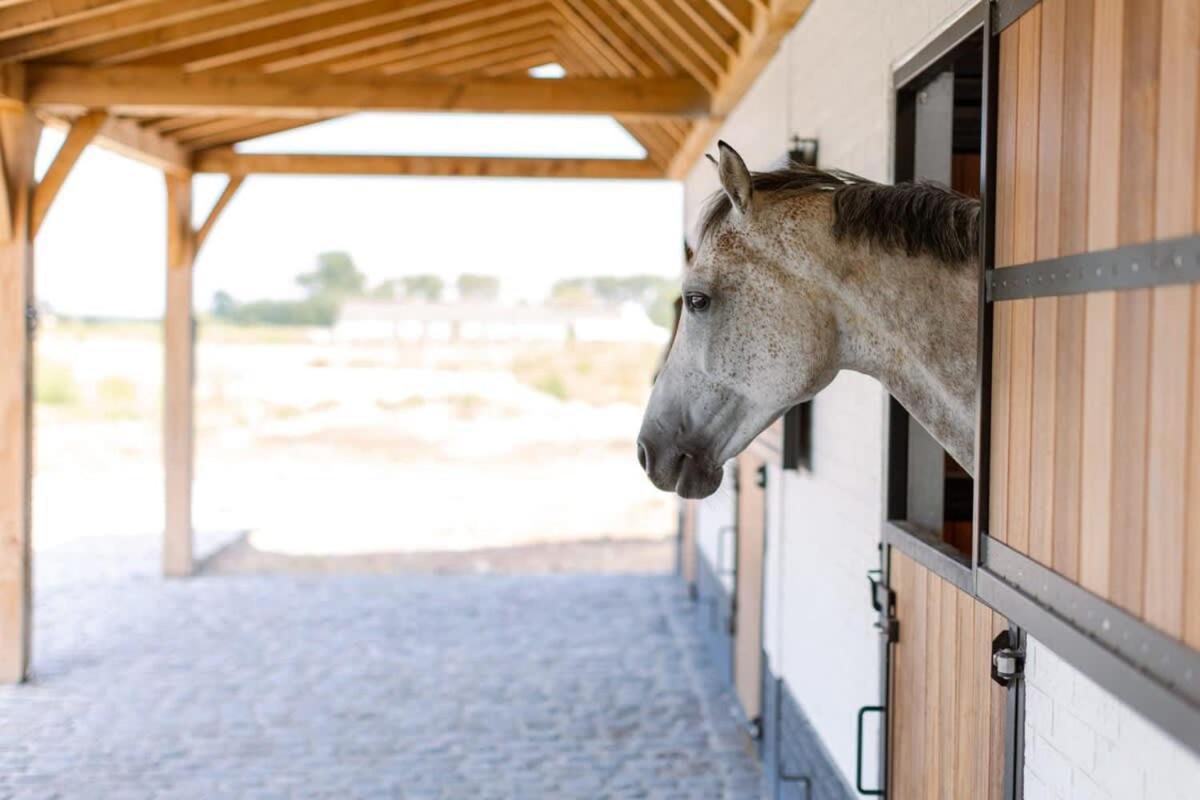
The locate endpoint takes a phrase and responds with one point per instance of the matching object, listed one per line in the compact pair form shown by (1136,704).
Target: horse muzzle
(672,469)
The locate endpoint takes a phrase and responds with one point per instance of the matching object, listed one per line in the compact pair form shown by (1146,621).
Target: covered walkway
(562,686)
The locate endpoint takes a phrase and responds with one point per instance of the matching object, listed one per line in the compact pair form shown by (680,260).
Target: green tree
(223,305)
(478,287)
(335,276)
(423,287)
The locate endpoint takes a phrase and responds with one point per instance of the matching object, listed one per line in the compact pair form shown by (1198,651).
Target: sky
(102,249)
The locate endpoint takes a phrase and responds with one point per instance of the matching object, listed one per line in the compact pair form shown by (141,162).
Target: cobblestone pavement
(370,687)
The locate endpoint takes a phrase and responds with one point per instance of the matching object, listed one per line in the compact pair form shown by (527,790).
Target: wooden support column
(19,133)
(178,372)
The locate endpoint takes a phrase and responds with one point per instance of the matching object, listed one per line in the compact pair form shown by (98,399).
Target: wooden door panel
(751,530)
(1095,423)
(946,718)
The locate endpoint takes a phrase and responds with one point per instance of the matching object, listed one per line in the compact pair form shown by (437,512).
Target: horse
(797,274)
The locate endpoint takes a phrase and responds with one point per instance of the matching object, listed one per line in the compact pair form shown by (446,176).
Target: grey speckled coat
(775,306)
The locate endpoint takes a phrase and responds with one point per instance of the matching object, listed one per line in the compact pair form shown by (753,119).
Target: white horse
(801,273)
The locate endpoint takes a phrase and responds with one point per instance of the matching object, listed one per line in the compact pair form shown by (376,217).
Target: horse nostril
(643,455)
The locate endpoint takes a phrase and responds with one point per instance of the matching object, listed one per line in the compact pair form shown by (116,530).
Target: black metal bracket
(760,479)
(1164,262)
(31,319)
(1006,12)
(858,758)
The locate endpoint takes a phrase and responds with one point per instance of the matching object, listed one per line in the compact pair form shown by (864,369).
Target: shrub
(54,384)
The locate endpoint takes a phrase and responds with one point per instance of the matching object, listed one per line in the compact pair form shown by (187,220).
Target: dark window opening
(938,138)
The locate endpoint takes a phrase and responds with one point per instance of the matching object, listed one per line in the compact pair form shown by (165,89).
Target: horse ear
(735,178)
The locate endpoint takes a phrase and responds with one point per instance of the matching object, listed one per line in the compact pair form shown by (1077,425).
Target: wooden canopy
(181,81)
(177,83)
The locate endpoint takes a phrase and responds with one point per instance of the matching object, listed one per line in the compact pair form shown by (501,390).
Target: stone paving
(560,686)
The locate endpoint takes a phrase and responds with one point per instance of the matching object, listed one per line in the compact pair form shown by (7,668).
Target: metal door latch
(1008,659)
(883,600)
(31,318)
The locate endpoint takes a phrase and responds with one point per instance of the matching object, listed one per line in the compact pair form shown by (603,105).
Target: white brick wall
(1082,743)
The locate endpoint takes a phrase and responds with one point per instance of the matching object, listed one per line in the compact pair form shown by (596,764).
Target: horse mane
(918,219)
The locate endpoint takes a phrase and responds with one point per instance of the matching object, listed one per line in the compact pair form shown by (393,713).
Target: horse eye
(696,301)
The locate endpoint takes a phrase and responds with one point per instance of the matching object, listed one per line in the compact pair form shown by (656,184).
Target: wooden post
(19,133)
(178,372)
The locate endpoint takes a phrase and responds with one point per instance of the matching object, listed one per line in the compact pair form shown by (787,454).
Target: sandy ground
(310,448)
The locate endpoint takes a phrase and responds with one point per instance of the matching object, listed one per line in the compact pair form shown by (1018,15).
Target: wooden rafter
(389,56)
(82,132)
(155,90)
(64,37)
(244,49)
(231,163)
(231,188)
(191,33)
(42,14)
(245,132)
(353,39)
(769,30)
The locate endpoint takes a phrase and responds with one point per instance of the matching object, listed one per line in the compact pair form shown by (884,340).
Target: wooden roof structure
(177,83)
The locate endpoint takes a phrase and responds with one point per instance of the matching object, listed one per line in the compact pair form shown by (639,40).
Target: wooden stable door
(946,714)
(748,611)
(1095,435)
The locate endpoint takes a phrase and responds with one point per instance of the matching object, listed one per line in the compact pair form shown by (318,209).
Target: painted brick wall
(1081,743)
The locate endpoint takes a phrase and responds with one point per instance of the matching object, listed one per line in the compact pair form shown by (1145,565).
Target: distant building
(407,321)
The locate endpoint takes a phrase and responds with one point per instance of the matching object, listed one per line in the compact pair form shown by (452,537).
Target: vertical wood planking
(1045,309)
(1072,233)
(1170,350)
(945,740)
(1139,123)
(997,696)
(1191,633)
(19,133)
(933,683)
(900,736)
(1104,153)
(983,693)
(966,709)
(1001,317)
(946,702)
(1024,250)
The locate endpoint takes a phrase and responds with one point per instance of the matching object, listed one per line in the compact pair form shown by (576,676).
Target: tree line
(336,279)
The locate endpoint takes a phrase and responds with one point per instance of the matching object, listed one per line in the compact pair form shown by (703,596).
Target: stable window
(938,138)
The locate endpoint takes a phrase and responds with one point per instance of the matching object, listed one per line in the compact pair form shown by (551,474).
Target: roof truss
(180,78)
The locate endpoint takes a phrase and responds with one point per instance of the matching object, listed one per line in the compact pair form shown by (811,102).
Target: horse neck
(911,324)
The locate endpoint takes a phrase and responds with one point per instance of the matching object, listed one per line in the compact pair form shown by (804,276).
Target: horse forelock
(917,219)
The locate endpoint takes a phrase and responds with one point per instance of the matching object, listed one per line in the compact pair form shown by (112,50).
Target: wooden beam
(42,14)
(82,132)
(231,163)
(235,183)
(12,87)
(19,133)
(160,90)
(127,138)
(250,130)
(178,391)
(64,37)
(770,26)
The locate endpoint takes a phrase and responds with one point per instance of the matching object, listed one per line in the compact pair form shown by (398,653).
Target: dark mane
(917,219)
